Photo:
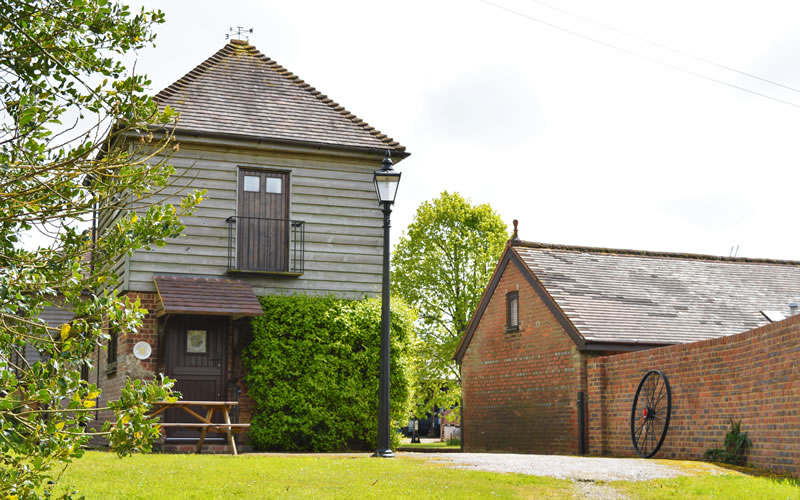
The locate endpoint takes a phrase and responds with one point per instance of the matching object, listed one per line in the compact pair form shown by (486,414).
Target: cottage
(549,310)
(290,208)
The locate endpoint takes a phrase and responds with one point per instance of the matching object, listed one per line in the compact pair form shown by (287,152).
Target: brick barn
(551,312)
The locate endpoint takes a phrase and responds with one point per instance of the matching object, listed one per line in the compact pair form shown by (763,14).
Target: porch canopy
(205,296)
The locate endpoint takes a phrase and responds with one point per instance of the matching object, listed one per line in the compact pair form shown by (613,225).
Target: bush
(312,372)
(736,444)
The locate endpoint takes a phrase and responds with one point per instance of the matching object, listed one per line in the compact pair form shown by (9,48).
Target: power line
(665,47)
(630,52)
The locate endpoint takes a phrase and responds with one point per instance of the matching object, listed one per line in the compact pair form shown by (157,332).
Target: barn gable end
(520,388)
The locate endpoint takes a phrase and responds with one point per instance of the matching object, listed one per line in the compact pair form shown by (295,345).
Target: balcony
(266,246)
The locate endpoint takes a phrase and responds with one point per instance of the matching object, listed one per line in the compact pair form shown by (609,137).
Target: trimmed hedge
(312,372)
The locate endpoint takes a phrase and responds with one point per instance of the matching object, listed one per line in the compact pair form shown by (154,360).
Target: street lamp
(386,182)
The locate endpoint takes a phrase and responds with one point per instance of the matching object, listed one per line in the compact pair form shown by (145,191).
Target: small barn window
(512,311)
(111,362)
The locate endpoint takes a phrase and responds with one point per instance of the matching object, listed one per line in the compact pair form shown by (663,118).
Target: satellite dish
(142,350)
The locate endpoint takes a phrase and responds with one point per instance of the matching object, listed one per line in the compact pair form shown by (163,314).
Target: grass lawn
(731,486)
(103,475)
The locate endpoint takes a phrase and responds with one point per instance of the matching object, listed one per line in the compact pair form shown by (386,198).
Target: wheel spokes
(649,418)
(646,430)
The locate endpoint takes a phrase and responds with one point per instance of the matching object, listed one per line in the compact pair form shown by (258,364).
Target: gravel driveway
(564,467)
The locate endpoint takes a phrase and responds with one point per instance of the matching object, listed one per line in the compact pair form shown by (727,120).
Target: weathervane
(236,33)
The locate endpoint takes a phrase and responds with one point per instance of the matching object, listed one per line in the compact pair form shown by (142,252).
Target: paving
(565,467)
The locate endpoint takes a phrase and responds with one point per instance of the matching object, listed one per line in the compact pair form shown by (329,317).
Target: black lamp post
(386,182)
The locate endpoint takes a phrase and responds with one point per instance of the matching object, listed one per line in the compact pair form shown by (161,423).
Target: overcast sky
(583,143)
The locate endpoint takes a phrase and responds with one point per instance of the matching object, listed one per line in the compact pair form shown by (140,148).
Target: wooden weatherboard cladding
(205,296)
(333,196)
(242,111)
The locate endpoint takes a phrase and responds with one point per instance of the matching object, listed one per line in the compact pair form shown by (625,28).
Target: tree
(441,266)
(68,108)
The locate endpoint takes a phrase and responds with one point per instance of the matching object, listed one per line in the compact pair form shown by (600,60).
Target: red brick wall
(753,377)
(127,365)
(520,389)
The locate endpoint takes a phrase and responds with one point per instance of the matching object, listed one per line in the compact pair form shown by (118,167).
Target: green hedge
(312,372)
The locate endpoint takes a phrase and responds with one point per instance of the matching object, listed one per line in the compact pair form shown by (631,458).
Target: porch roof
(205,296)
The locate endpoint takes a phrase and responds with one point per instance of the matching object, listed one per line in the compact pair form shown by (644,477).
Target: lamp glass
(386,185)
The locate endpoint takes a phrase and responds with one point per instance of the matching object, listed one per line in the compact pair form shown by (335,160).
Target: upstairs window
(512,311)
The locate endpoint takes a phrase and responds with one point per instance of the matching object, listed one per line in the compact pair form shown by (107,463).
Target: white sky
(582,143)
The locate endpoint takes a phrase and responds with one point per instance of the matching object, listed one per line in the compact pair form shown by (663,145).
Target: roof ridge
(234,46)
(648,253)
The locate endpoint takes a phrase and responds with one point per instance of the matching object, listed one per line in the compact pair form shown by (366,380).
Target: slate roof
(628,296)
(241,92)
(207,296)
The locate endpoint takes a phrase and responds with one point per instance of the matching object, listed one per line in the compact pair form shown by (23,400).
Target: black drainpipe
(91,267)
(581,424)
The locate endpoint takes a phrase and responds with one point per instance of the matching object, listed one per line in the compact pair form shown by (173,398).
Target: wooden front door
(196,355)
(263,225)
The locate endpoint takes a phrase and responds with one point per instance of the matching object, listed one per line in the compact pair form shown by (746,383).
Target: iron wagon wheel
(650,414)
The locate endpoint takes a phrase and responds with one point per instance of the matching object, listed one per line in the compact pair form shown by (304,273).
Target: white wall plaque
(142,350)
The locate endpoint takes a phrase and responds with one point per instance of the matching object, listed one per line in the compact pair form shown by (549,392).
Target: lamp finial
(387,161)
(515,237)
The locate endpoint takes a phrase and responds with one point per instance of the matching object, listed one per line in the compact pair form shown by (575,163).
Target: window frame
(512,298)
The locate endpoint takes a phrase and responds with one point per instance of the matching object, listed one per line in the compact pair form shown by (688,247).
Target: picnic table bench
(204,424)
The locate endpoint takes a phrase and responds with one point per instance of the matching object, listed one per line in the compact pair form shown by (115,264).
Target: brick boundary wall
(752,376)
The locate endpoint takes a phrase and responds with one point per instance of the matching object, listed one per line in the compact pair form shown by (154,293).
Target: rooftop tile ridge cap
(324,98)
(649,253)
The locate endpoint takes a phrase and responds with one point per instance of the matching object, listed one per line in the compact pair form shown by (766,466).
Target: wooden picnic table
(204,424)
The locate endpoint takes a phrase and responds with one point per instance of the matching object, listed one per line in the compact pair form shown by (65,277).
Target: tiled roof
(209,296)
(240,92)
(626,296)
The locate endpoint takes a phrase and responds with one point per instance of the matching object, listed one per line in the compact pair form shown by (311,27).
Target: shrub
(736,444)
(312,372)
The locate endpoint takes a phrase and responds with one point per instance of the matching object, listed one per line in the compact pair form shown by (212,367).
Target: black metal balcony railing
(266,245)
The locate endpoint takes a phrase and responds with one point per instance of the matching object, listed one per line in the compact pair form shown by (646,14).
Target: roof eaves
(396,154)
(622,346)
